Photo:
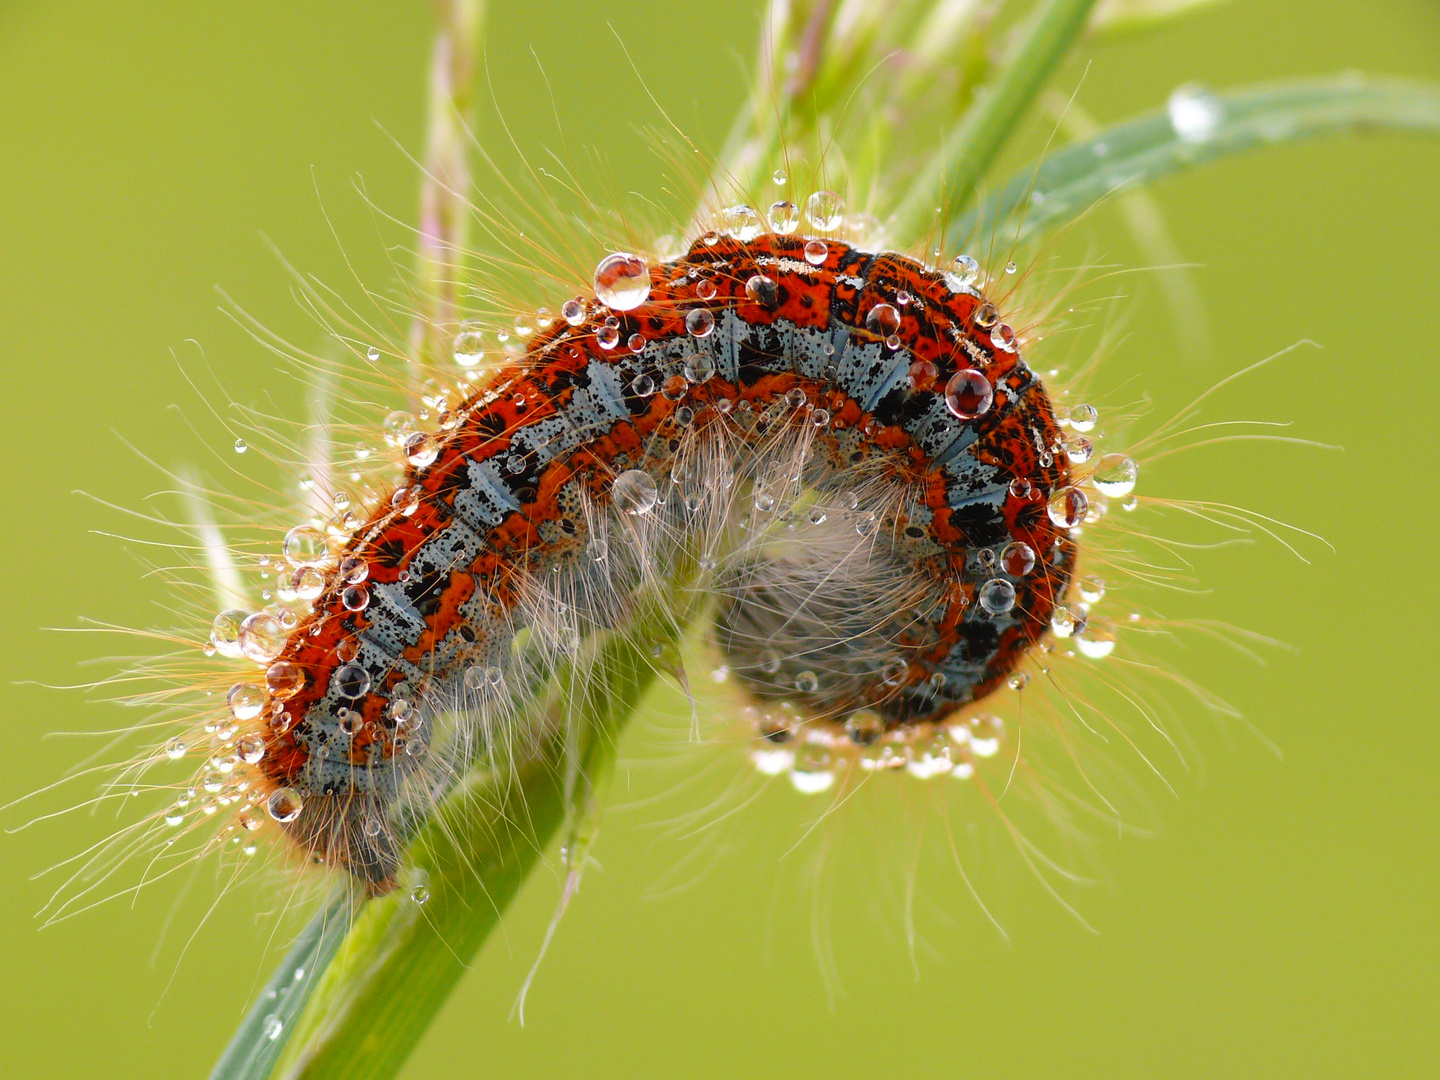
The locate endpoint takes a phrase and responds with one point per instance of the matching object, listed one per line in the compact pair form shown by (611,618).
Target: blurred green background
(1284,921)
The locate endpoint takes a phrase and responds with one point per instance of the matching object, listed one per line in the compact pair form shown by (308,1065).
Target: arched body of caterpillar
(625,439)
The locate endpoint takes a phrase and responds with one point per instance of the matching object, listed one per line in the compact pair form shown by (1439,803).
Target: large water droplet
(250,748)
(1084,417)
(262,638)
(421,449)
(784,217)
(351,681)
(883,319)
(284,679)
(964,272)
(225,632)
(816,252)
(968,394)
(763,290)
(1018,558)
(306,546)
(1096,640)
(811,772)
(825,210)
(1067,507)
(285,804)
(245,701)
(634,492)
(741,222)
(985,734)
(1195,113)
(699,323)
(698,368)
(622,281)
(468,348)
(1115,475)
(997,596)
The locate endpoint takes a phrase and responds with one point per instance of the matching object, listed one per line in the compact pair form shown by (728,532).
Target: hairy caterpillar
(700,397)
(923,459)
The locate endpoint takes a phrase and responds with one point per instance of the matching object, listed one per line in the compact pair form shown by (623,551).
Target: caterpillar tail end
(348,833)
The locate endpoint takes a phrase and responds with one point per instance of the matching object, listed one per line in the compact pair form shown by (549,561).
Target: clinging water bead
(769,385)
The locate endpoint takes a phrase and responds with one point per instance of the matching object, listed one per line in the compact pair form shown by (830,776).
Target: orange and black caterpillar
(882,407)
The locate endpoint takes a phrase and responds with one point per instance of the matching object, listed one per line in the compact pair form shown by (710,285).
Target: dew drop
(642,386)
(285,804)
(763,291)
(1092,589)
(306,583)
(372,354)
(894,672)
(284,679)
(573,312)
(825,210)
(468,348)
(779,176)
(1017,558)
(816,252)
(355,598)
(698,367)
(351,681)
(1115,476)
(784,217)
(1083,418)
(963,273)
(225,632)
(1065,622)
(883,319)
(261,637)
(741,222)
(622,281)
(1195,113)
(811,772)
(699,323)
(968,394)
(306,546)
(1097,640)
(634,492)
(250,748)
(807,682)
(607,337)
(245,701)
(930,757)
(997,596)
(864,727)
(1079,449)
(985,735)
(1067,507)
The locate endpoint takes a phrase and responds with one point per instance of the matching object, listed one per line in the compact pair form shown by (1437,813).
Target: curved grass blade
(1135,152)
(258,1041)
(990,120)
(402,958)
